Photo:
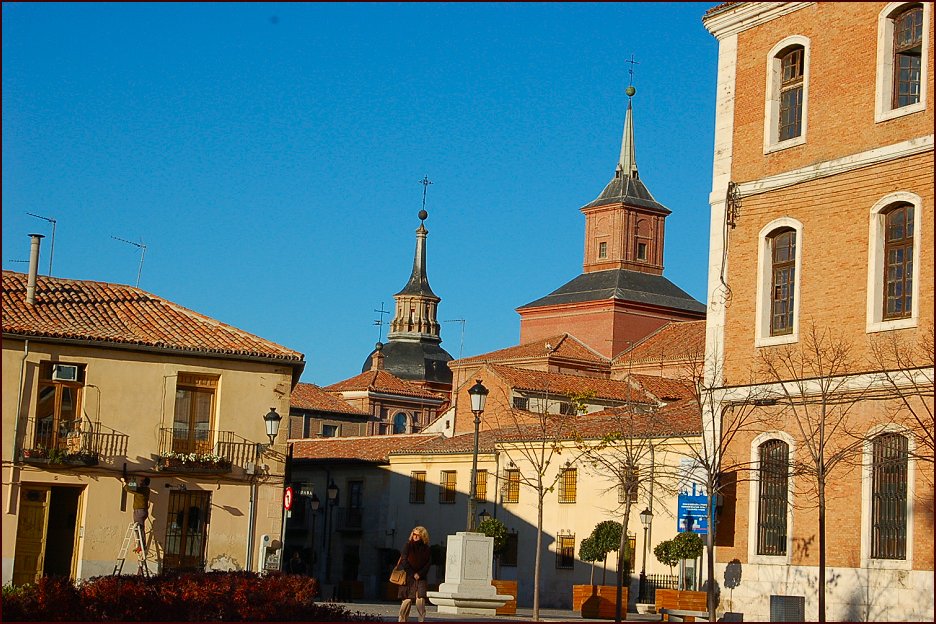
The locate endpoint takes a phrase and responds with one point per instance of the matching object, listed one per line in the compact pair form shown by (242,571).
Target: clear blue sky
(269,155)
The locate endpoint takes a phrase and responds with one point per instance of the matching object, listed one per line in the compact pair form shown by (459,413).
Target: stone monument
(468,571)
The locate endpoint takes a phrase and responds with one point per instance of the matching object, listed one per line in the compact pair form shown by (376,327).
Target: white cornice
(747,15)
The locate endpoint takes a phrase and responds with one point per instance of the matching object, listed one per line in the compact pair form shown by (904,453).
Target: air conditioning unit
(64,372)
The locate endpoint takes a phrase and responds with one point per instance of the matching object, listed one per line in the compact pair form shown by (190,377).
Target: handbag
(398,576)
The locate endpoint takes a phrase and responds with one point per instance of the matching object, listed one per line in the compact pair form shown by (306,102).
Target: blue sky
(269,155)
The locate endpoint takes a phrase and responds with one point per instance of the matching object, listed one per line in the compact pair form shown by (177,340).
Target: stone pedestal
(468,571)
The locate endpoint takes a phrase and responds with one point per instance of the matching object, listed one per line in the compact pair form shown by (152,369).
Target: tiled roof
(374,449)
(381,381)
(118,314)
(562,345)
(663,388)
(681,418)
(718,8)
(556,383)
(675,341)
(308,396)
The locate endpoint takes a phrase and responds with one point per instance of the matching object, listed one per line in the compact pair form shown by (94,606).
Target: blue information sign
(692,513)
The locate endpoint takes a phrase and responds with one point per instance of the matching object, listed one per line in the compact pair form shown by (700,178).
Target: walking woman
(415,559)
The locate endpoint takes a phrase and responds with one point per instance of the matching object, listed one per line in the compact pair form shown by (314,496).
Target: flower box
(75,460)
(199,466)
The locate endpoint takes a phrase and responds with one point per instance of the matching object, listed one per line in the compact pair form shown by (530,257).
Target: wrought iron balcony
(72,443)
(204,451)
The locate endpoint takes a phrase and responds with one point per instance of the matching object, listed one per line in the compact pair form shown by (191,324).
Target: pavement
(388,612)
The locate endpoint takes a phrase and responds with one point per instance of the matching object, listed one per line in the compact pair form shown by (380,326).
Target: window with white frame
(787,94)
(778,282)
(773,492)
(893,255)
(889,470)
(903,47)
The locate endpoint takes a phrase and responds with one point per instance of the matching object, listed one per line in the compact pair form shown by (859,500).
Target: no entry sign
(288,499)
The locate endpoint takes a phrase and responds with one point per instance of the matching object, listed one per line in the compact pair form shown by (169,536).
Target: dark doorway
(61,531)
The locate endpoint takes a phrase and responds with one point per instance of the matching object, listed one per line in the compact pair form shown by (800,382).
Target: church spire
(627,163)
(416,304)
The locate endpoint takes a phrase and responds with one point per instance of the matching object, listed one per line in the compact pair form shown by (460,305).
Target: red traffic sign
(288,499)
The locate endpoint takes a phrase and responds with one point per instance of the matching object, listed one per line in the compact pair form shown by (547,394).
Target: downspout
(19,413)
(251,523)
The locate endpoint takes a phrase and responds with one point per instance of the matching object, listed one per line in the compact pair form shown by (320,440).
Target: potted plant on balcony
(193,462)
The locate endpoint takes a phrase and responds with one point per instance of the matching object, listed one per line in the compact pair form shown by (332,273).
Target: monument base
(468,572)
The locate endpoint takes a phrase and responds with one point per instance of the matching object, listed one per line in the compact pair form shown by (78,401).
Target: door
(187,531)
(29,559)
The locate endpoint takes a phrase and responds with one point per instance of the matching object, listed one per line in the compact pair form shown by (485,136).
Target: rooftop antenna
(52,245)
(142,247)
(380,322)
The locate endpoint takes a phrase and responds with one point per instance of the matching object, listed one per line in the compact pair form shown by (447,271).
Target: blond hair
(423,534)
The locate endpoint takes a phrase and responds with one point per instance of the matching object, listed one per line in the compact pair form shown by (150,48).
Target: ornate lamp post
(272,422)
(478,394)
(646,519)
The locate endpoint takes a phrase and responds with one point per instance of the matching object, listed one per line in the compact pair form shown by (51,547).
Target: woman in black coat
(415,559)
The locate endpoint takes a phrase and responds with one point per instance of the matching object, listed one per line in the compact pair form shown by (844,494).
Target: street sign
(307,490)
(288,499)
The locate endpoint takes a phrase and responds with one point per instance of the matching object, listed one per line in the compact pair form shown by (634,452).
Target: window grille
(898,258)
(908,49)
(565,552)
(511,486)
(889,497)
(772,507)
(567,485)
(447,491)
(521,403)
(481,486)
(417,487)
(631,480)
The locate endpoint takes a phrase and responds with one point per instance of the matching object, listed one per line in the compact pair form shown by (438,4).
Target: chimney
(377,359)
(33,268)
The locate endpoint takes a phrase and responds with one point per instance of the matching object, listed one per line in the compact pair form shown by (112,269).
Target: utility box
(787,608)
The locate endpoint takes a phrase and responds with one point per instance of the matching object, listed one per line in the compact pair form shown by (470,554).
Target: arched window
(642,241)
(782,281)
(889,467)
(903,47)
(774,458)
(791,93)
(908,50)
(898,262)
(400,423)
(787,94)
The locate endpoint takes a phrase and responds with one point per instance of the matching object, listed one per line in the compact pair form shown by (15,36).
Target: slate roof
(124,315)
(382,381)
(557,383)
(370,449)
(678,340)
(624,285)
(416,361)
(628,190)
(306,396)
(564,346)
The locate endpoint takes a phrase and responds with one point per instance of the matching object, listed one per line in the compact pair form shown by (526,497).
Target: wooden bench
(682,615)
(507,588)
(674,600)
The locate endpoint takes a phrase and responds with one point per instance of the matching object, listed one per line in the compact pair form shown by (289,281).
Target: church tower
(621,295)
(413,350)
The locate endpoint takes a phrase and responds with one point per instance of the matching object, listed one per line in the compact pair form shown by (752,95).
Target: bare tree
(815,392)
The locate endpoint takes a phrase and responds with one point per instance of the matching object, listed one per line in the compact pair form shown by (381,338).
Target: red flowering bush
(196,597)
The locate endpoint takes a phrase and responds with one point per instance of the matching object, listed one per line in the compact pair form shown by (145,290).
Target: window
(481,486)
(187,531)
(889,457)
(447,491)
(565,552)
(566,408)
(783,279)
(787,94)
(642,240)
(778,262)
(194,408)
(400,422)
(512,486)
(898,258)
(417,487)
(508,558)
(642,251)
(630,481)
(602,250)
(58,405)
(791,93)
(893,255)
(329,431)
(354,516)
(903,43)
(774,456)
(521,403)
(567,484)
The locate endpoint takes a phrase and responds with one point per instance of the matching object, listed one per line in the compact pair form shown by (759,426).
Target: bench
(682,615)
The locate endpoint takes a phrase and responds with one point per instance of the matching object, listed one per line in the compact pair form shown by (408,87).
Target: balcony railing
(71,442)
(232,449)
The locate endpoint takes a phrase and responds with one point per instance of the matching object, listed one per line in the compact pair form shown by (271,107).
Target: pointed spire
(627,163)
(418,283)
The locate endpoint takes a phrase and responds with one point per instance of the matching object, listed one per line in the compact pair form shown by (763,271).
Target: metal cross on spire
(380,321)
(425,182)
(631,70)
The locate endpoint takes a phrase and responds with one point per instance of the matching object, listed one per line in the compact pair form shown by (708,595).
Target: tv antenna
(52,243)
(142,247)
(380,322)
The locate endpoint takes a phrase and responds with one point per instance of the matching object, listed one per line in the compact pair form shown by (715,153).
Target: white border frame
(884,79)
(772,95)
(866,479)
(875,294)
(754,495)
(762,337)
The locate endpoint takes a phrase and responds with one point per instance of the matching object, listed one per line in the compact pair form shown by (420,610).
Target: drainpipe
(19,413)
(251,525)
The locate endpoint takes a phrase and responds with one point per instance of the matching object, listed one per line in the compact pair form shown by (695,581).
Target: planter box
(681,599)
(64,463)
(508,588)
(598,601)
(174,465)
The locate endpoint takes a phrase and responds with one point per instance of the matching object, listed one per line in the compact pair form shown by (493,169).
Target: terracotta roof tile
(118,314)
(539,381)
(382,381)
(308,396)
(663,388)
(675,341)
(374,449)
(563,346)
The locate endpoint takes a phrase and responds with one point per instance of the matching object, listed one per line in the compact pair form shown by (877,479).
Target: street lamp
(332,493)
(314,505)
(271,421)
(484,515)
(478,395)
(646,519)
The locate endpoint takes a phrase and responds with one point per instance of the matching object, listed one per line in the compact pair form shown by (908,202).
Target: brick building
(821,302)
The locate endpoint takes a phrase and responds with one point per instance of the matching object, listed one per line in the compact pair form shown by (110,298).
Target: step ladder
(134,537)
